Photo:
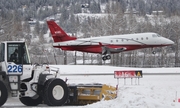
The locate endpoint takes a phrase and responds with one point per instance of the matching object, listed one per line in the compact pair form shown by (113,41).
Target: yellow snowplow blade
(109,92)
(87,94)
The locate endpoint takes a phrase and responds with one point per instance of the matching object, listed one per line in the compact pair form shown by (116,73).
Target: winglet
(58,33)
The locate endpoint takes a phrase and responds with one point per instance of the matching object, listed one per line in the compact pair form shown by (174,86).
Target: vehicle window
(2,52)
(16,52)
(11,53)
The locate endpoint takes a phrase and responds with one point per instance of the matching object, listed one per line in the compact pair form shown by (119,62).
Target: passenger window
(146,38)
(141,38)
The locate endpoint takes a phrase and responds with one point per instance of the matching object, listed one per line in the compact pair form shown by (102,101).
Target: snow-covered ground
(153,91)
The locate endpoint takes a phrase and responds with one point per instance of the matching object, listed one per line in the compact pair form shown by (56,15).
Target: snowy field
(153,91)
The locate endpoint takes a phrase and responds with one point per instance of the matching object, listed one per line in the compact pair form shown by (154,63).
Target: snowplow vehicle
(37,84)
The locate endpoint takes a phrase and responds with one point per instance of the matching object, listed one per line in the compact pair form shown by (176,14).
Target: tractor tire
(55,92)
(3,93)
(28,101)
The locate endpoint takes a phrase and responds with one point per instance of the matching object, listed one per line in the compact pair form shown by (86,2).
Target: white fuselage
(127,39)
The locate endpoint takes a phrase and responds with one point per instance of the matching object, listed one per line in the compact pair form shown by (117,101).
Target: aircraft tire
(28,101)
(3,93)
(55,92)
(108,57)
(154,52)
(104,58)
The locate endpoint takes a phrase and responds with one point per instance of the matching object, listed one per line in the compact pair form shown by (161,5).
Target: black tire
(3,93)
(28,101)
(60,94)
(104,58)
(108,57)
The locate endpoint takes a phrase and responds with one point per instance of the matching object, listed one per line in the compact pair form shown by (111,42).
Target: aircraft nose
(169,42)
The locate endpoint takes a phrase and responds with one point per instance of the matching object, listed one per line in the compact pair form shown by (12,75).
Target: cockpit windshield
(156,35)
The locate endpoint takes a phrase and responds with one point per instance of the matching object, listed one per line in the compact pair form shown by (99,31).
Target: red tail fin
(57,33)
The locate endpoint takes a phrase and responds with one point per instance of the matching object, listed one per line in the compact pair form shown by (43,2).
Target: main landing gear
(106,57)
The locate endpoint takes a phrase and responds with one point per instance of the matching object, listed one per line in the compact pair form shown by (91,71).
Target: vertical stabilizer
(57,33)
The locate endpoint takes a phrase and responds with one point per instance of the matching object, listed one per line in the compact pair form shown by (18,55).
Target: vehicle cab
(14,58)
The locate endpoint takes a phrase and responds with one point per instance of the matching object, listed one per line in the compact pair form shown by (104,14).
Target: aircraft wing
(108,50)
(117,50)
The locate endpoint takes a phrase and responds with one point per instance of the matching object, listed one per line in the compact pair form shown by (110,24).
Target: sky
(153,91)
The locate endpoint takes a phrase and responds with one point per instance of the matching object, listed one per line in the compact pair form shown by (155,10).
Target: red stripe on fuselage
(98,49)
